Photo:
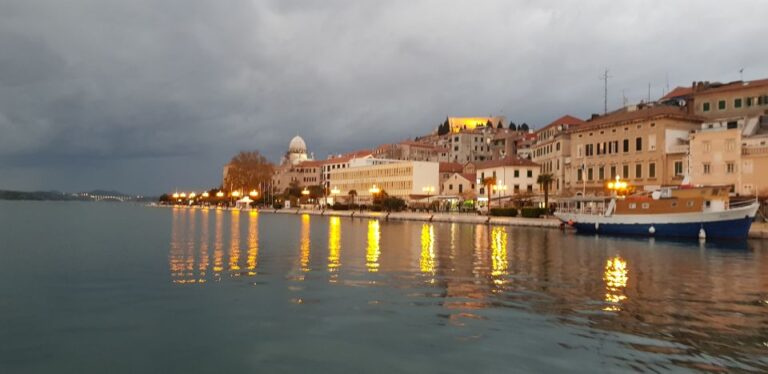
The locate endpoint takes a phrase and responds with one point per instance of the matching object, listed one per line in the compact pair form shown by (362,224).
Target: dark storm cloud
(150,95)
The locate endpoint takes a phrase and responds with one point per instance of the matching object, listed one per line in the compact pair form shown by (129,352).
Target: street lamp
(192,195)
(498,188)
(335,192)
(429,190)
(175,195)
(206,194)
(220,194)
(253,193)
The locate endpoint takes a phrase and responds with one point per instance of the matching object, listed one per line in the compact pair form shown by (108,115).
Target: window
(632,205)
(625,171)
(450,187)
(652,170)
(707,168)
(730,145)
(613,172)
(749,101)
(689,203)
(646,205)
(626,145)
(589,174)
(638,171)
(678,168)
(707,146)
(579,175)
(601,173)
(705,107)
(730,167)
(530,173)
(517,173)
(638,144)
(529,189)
(737,103)
(721,105)
(652,142)
(557,146)
(674,204)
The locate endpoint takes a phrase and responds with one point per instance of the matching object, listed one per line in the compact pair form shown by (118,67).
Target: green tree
(512,126)
(524,127)
(545,180)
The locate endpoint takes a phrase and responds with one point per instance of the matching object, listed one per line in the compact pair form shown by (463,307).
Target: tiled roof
(732,86)
(564,120)
(310,163)
(349,155)
(510,161)
(647,113)
(451,167)
(677,92)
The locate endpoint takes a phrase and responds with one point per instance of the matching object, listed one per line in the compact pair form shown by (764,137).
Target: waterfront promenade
(759,230)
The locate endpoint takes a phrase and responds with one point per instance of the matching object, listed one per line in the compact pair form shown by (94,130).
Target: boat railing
(741,203)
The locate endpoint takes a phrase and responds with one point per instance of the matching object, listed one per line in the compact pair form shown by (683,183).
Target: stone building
(552,149)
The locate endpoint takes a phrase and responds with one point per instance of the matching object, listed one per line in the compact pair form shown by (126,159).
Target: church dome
(297,145)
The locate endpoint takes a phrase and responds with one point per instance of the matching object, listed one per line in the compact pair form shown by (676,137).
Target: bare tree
(248,170)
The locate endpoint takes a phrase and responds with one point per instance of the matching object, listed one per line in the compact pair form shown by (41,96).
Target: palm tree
(545,180)
(352,194)
(489,183)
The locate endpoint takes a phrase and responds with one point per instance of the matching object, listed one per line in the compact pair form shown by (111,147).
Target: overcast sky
(148,96)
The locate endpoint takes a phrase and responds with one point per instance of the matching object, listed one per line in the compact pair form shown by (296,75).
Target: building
(552,149)
(412,151)
(407,180)
(471,145)
(296,166)
(731,153)
(459,184)
(714,100)
(645,144)
(461,124)
(340,161)
(513,176)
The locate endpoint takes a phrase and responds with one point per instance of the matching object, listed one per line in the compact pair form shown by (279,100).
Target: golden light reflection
(218,245)
(234,243)
(334,244)
(304,245)
(427,258)
(616,276)
(499,263)
(373,250)
(253,242)
(205,260)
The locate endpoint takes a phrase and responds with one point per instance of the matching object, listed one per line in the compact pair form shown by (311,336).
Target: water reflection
(372,250)
(305,243)
(334,244)
(615,278)
(427,258)
(253,242)
(709,301)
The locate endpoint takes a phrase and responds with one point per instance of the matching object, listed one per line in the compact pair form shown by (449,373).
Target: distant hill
(36,195)
(95,195)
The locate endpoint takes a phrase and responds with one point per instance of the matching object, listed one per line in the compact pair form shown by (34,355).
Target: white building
(407,180)
(513,176)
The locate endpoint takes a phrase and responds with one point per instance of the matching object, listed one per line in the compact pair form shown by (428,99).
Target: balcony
(677,148)
(759,150)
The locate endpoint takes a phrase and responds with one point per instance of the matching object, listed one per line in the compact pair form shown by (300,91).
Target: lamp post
(498,188)
(429,190)
(235,195)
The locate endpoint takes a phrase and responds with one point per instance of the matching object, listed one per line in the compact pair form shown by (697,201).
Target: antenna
(624,98)
(605,77)
(649,92)
(741,74)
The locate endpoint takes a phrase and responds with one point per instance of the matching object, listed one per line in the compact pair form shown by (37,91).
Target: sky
(148,96)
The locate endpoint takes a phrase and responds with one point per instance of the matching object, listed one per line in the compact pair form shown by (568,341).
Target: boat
(681,211)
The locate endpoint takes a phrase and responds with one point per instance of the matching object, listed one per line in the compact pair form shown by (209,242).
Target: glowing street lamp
(192,195)
(429,190)
(253,193)
(335,191)
(220,194)
(175,195)
(618,185)
(206,194)
(235,193)
(374,190)
(182,195)
(499,188)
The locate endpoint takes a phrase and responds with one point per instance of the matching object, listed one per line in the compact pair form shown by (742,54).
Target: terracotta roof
(677,92)
(647,113)
(310,163)
(564,120)
(349,155)
(469,176)
(451,167)
(732,86)
(416,144)
(510,161)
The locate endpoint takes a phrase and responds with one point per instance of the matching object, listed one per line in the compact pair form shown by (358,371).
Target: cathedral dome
(297,145)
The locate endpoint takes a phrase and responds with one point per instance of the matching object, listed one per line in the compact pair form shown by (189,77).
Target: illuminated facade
(403,179)
(460,124)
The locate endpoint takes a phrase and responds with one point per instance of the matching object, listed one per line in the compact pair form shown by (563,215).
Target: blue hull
(732,229)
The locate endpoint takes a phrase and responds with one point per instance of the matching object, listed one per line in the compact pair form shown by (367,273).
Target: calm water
(118,288)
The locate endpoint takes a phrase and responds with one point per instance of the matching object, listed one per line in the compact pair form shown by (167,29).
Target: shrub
(340,206)
(392,203)
(531,212)
(504,212)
